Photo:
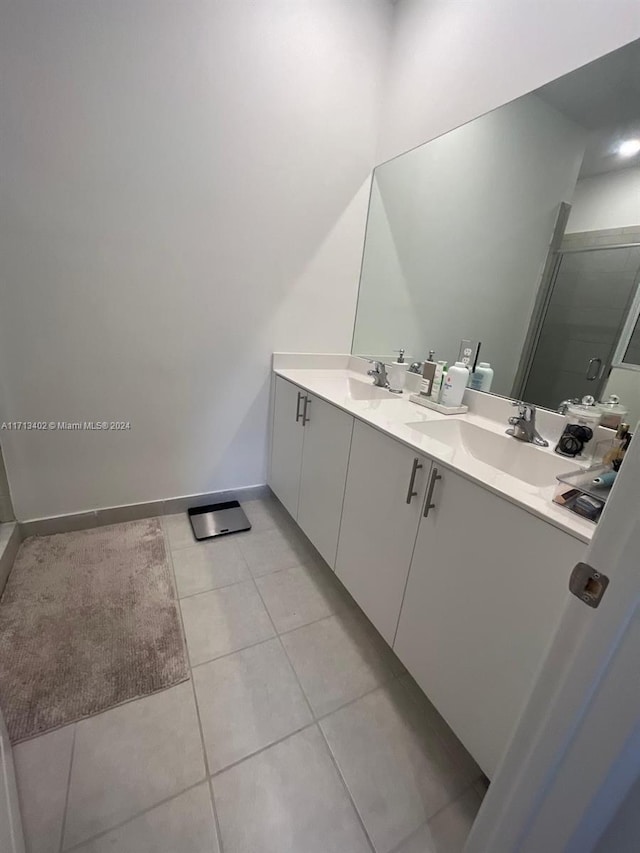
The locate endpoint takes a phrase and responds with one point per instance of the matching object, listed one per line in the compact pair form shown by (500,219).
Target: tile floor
(299,732)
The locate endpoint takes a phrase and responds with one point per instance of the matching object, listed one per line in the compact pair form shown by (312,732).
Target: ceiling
(604,98)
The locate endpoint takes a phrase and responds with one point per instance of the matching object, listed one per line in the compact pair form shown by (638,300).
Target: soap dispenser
(428,374)
(396,373)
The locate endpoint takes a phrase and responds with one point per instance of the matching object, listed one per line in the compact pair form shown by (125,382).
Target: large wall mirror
(520,229)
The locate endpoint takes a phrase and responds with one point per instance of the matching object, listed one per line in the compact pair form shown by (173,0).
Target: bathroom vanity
(441,528)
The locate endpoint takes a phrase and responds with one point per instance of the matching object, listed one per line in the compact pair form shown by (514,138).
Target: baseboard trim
(133,512)
(10,540)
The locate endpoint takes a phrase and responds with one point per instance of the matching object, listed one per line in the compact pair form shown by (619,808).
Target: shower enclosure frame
(557,251)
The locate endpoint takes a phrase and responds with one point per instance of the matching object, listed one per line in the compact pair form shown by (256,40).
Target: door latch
(587,584)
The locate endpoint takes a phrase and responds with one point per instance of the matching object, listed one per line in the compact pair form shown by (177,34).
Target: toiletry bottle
(620,443)
(428,375)
(396,373)
(436,388)
(454,385)
(482,377)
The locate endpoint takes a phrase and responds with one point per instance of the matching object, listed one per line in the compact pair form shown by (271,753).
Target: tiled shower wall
(6,507)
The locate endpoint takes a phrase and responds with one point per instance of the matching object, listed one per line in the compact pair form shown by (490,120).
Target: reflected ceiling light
(629,147)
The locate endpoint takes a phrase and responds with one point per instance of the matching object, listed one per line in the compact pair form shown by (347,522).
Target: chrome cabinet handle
(298,412)
(432,484)
(305,419)
(590,377)
(416,467)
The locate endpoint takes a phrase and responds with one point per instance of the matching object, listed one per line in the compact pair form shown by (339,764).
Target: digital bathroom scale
(218,520)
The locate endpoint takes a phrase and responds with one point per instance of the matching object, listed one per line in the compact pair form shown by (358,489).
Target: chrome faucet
(523,425)
(379,373)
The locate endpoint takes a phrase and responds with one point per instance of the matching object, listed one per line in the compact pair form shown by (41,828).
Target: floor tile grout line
(250,576)
(319,728)
(312,722)
(216,821)
(316,717)
(135,816)
(348,606)
(321,717)
(346,789)
(205,757)
(255,753)
(234,652)
(287,658)
(66,798)
(425,823)
(213,589)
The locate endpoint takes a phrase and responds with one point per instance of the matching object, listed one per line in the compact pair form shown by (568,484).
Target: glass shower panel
(592,293)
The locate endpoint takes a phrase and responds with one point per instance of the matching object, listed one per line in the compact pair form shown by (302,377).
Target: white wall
(184,188)
(611,200)
(458,234)
(452,60)
(184,191)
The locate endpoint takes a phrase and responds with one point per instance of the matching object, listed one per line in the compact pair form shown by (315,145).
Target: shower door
(590,298)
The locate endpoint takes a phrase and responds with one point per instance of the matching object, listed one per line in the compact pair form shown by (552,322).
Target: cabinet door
(286,443)
(379,527)
(486,590)
(327,439)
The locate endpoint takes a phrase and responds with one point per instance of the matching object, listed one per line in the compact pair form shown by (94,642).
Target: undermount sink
(520,460)
(364,389)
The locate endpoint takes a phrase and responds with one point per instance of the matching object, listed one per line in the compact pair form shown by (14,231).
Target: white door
(286,443)
(486,590)
(385,490)
(325,457)
(576,750)
(11,838)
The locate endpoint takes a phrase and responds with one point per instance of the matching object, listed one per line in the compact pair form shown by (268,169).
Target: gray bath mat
(88,620)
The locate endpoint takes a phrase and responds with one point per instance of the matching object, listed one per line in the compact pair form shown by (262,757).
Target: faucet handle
(526,411)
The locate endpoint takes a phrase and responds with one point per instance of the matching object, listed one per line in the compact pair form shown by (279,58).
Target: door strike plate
(587,584)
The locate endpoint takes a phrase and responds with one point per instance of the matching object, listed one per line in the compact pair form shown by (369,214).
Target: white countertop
(391,414)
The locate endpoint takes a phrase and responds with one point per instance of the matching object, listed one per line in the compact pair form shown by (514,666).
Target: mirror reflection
(520,230)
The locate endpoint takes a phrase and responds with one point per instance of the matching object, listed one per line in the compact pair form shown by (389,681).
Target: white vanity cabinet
(467,586)
(309,457)
(486,590)
(383,499)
